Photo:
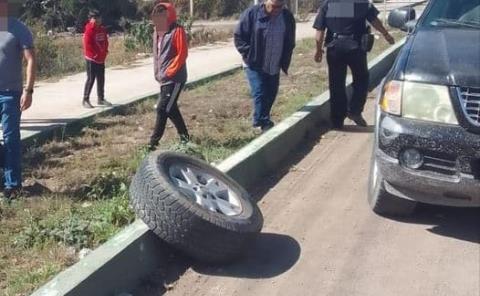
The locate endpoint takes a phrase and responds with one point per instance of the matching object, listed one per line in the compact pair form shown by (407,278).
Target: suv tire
(184,207)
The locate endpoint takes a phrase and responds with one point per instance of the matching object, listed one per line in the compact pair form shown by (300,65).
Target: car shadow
(270,255)
(458,223)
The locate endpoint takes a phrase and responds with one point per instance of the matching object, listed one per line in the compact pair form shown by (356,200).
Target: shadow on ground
(269,256)
(457,223)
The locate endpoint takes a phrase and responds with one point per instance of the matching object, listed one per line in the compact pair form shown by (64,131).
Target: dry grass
(81,182)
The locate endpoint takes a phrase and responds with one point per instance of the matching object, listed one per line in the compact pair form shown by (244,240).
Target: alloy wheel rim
(205,190)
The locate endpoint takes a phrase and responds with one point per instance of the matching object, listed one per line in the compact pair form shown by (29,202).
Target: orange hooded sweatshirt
(170,50)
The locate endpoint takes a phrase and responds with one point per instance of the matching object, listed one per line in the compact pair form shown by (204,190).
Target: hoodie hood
(172,13)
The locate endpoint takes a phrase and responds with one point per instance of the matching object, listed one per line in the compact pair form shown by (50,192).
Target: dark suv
(427,135)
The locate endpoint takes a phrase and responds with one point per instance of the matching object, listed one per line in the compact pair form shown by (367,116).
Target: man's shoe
(268,126)
(337,126)
(86,104)
(12,193)
(257,130)
(358,119)
(103,102)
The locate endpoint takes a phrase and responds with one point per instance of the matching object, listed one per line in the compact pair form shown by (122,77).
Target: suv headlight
(420,101)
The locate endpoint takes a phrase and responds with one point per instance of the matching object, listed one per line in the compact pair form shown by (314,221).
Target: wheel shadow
(270,255)
(458,223)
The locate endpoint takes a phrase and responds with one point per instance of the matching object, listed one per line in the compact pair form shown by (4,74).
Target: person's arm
(242,34)
(26,100)
(377,24)
(319,37)
(107,43)
(181,45)
(89,42)
(320,25)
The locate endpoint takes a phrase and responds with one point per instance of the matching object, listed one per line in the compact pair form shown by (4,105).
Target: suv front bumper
(450,173)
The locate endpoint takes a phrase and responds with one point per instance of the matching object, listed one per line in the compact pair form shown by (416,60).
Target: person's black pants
(95,72)
(338,61)
(167,107)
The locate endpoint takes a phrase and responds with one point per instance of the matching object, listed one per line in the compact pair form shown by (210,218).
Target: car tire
(382,202)
(213,229)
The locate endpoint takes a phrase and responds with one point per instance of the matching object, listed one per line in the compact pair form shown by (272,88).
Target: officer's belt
(343,36)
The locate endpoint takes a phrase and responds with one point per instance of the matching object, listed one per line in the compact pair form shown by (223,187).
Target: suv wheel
(195,207)
(382,202)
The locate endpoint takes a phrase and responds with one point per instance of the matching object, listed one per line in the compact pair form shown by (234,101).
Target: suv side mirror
(400,17)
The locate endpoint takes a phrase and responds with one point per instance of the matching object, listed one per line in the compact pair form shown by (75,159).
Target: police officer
(342,24)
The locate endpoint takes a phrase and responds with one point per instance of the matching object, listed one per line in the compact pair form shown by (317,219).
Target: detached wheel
(382,202)
(194,207)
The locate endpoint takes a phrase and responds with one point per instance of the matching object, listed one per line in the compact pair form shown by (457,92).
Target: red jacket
(95,43)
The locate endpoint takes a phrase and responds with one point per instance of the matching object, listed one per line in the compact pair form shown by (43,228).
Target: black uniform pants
(95,72)
(338,61)
(167,107)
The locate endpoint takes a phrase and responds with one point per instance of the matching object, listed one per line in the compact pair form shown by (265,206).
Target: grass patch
(80,185)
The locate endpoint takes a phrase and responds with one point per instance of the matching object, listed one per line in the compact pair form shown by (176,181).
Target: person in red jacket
(95,47)
(170,51)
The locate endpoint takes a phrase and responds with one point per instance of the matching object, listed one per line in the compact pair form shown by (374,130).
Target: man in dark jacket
(170,51)
(265,37)
(95,46)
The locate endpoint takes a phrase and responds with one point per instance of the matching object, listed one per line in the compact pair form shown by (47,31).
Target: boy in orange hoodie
(170,50)
(95,47)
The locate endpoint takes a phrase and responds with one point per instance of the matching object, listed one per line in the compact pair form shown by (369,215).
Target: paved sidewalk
(56,104)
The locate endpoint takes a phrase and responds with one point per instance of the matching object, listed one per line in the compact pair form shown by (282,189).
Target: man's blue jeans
(264,89)
(10,119)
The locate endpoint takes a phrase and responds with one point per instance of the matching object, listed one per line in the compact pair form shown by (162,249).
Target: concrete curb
(69,127)
(121,263)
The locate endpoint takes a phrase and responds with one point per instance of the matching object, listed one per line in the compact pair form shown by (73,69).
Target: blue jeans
(10,119)
(264,89)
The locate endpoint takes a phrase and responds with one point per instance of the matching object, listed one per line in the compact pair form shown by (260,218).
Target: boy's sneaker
(184,139)
(86,104)
(152,147)
(103,102)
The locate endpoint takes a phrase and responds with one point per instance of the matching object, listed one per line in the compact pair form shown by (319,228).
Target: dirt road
(320,238)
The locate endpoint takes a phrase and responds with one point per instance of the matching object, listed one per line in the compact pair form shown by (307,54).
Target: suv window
(454,13)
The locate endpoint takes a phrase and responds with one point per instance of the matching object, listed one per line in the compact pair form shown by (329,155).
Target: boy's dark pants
(167,107)
(95,72)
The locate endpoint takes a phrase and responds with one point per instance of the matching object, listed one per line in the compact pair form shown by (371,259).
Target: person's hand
(389,38)
(25,101)
(318,56)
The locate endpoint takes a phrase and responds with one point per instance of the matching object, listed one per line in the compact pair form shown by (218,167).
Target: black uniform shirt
(346,17)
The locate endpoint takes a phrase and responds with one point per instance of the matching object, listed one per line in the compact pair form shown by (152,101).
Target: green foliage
(61,14)
(107,184)
(57,56)
(31,279)
(140,36)
(187,22)
(81,228)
